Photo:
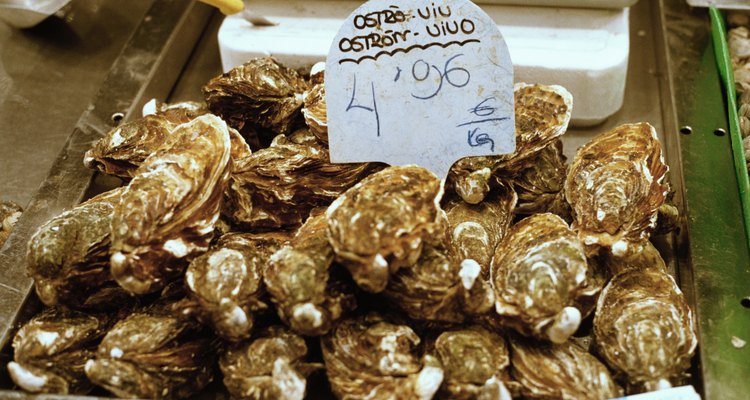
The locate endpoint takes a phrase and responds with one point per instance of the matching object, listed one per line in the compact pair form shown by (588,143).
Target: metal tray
(673,83)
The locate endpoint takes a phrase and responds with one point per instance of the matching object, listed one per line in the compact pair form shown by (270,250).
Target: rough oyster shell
(615,187)
(540,187)
(154,354)
(560,371)
(260,93)
(269,367)
(309,294)
(226,282)
(539,274)
(438,288)
(644,329)
(380,224)
(542,115)
(476,363)
(315,112)
(279,186)
(476,230)
(369,357)
(9,214)
(123,149)
(68,257)
(166,215)
(51,349)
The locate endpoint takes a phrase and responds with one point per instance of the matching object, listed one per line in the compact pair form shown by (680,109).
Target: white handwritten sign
(419,82)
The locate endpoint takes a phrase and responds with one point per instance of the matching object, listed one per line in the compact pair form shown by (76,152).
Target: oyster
(68,257)
(9,214)
(542,115)
(279,186)
(477,229)
(644,329)
(123,149)
(154,354)
(440,289)
(540,187)
(309,291)
(226,282)
(166,215)
(667,219)
(476,362)
(51,349)
(369,357)
(315,112)
(271,366)
(258,94)
(615,186)
(647,257)
(560,371)
(380,225)
(539,274)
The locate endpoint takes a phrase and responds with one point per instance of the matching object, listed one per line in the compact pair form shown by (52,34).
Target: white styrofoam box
(27,13)
(584,50)
(563,3)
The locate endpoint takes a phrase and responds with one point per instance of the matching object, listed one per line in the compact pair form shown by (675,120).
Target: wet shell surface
(560,371)
(615,187)
(542,115)
(539,273)
(68,257)
(540,187)
(644,329)
(309,291)
(153,354)
(50,351)
(369,357)
(167,213)
(270,366)
(258,94)
(315,112)
(381,224)
(226,282)
(476,364)
(9,214)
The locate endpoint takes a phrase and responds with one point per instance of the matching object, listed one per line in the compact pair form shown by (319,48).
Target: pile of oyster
(738,38)
(237,252)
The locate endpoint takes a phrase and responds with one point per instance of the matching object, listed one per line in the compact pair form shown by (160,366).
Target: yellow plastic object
(227,7)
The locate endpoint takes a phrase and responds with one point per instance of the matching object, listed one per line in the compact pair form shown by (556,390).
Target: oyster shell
(615,186)
(315,112)
(258,94)
(540,274)
(50,350)
(271,366)
(643,328)
(540,187)
(226,282)
(380,225)
(68,257)
(369,357)
(154,354)
(560,371)
(476,230)
(279,186)
(9,214)
(438,288)
(123,149)
(542,115)
(166,215)
(476,362)
(309,292)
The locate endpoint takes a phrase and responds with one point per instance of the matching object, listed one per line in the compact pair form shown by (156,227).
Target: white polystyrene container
(584,50)
(27,13)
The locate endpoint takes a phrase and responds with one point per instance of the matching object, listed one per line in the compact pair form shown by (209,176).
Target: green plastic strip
(718,245)
(724,62)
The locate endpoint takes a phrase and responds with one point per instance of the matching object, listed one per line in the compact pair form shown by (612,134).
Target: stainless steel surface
(48,75)
(147,66)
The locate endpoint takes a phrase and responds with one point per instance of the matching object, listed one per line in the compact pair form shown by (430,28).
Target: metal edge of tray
(160,46)
(717,261)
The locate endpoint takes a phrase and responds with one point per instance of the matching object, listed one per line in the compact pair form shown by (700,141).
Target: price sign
(419,82)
